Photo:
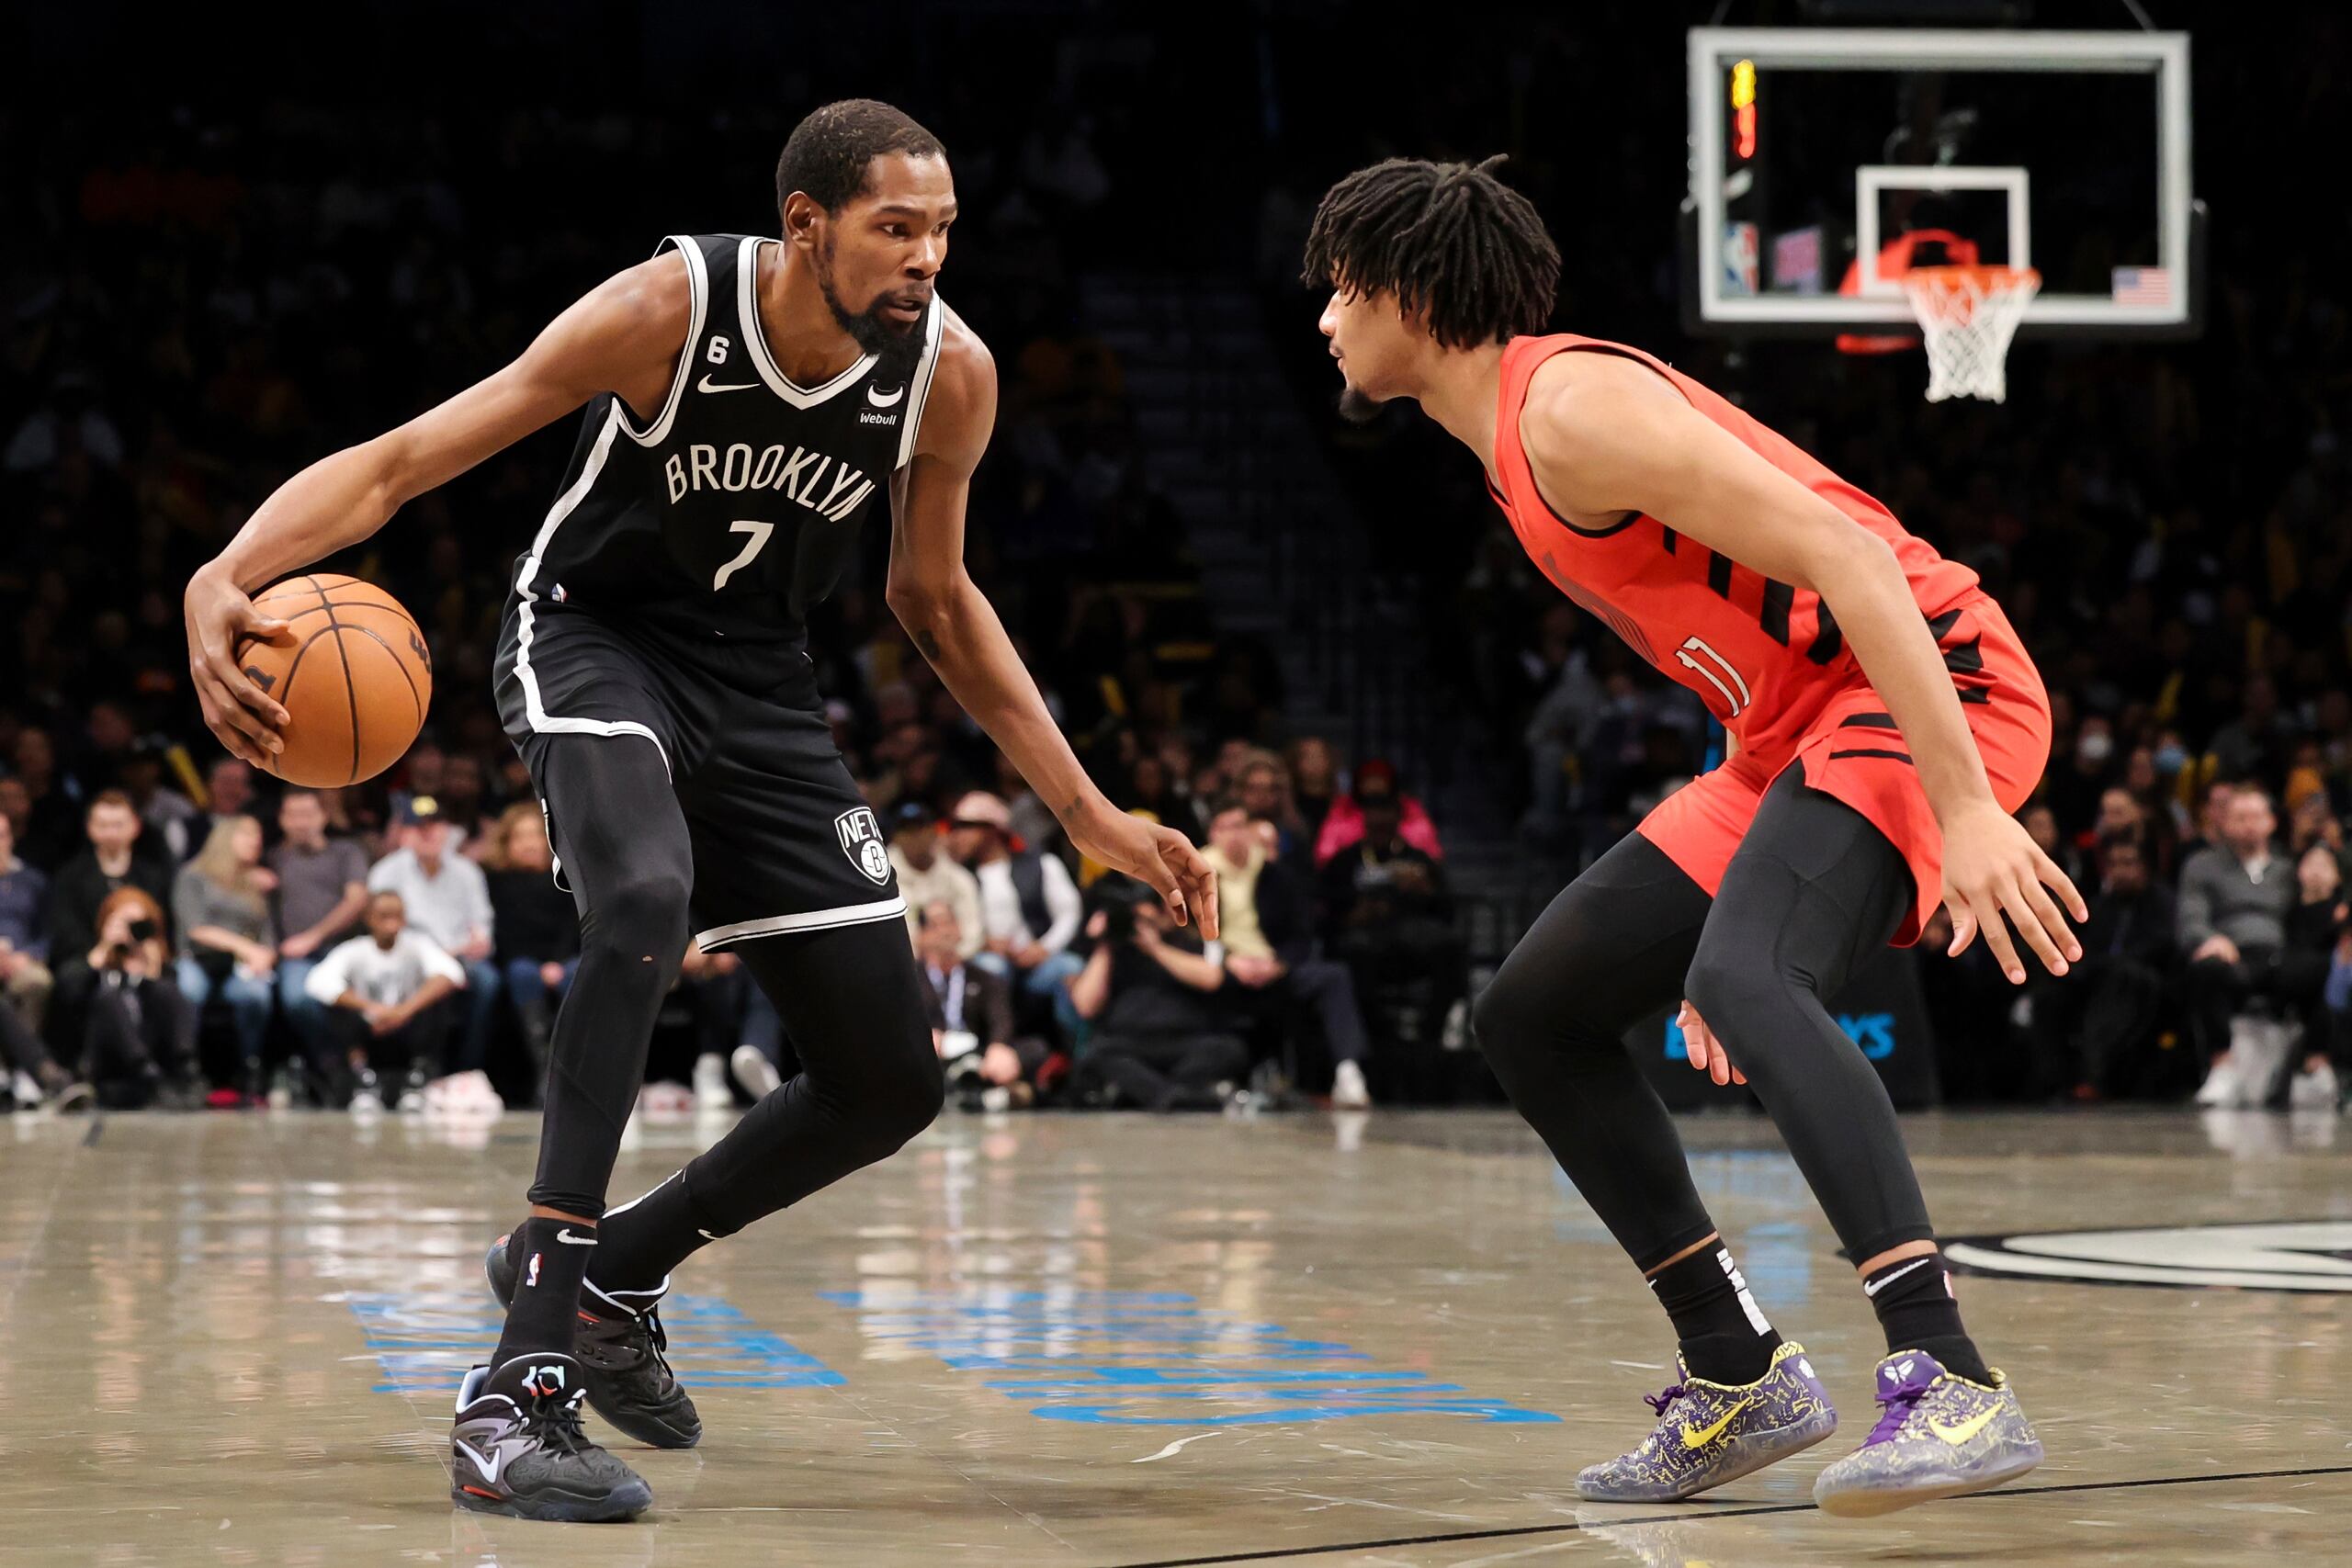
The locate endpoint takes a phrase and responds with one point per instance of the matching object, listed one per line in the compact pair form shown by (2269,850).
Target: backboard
(1815,148)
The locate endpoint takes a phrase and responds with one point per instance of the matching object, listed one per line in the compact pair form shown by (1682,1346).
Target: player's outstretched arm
(1611,436)
(957,630)
(624,337)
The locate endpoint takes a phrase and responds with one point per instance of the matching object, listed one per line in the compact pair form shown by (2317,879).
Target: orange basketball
(355,678)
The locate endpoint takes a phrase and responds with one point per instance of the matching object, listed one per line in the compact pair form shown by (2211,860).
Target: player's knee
(1716,984)
(1731,988)
(898,1101)
(916,1104)
(641,914)
(1506,1017)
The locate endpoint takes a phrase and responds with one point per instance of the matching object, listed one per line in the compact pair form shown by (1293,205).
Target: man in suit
(970,1010)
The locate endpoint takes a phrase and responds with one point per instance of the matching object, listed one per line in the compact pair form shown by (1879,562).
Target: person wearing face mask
(2160,815)
(2074,790)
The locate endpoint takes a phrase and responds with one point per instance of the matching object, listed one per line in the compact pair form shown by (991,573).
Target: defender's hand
(1160,856)
(1993,867)
(219,615)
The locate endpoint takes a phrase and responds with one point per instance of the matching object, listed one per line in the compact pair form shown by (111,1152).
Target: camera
(143,931)
(1121,898)
(959,1055)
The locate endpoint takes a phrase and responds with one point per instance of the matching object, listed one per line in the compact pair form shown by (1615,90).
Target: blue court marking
(1873,1031)
(424,1340)
(1151,1359)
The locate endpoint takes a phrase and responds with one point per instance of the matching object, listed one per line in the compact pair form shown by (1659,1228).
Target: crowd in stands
(204,303)
(2168,525)
(302,949)
(199,300)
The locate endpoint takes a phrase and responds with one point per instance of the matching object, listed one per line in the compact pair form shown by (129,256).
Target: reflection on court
(233,1339)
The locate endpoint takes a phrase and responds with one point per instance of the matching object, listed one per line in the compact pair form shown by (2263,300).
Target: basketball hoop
(1969,314)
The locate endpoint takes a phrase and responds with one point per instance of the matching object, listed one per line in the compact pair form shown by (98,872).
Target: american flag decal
(2143,285)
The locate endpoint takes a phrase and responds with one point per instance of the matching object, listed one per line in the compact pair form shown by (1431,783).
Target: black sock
(1723,1334)
(648,1236)
(551,1258)
(1917,1310)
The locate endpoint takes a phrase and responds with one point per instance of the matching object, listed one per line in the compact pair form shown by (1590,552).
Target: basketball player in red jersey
(1885,722)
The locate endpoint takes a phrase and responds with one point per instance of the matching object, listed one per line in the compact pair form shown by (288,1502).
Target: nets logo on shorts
(861,838)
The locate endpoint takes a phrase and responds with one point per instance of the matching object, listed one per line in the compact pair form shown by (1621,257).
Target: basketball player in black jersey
(749,402)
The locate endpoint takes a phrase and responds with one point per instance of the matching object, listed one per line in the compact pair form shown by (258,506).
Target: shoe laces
(1895,1408)
(657,1337)
(1663,1400)
(623,1332)
(553,1420)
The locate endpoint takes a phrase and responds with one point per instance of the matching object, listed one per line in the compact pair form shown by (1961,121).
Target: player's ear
(801,216)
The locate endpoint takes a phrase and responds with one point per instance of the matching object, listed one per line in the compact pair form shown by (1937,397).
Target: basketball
(355,678)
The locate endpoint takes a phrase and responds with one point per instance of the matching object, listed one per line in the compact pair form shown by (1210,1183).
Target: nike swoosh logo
(707,385)
(575,1240)
(1960,1432)
(489,1467)
(873,395)
(1869,1289)
(1700,1437)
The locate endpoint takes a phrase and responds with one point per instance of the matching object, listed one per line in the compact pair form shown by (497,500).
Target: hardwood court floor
(233,1339)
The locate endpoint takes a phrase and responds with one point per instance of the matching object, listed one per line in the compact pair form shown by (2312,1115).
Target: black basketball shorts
(782,839)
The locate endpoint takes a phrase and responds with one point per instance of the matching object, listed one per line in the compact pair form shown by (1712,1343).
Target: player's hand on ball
(1705,1051)
(1160,856)
(1992,867)
(219,616)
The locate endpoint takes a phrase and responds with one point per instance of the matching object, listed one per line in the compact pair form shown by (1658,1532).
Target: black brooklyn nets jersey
(738,506)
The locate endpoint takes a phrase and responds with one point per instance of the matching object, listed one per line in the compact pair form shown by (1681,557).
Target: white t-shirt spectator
(945,881)
(448,905)
(1001,904)
(385,975)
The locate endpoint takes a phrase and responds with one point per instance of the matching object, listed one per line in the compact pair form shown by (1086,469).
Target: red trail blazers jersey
(1766,658)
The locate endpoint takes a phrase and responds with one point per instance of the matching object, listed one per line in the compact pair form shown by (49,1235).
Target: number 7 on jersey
(759,532)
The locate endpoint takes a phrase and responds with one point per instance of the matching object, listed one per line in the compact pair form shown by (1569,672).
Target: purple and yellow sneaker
(1709,1432)
(1938,1435)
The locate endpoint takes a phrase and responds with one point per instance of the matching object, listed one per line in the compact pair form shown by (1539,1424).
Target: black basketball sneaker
(518,1450)
(620,1344)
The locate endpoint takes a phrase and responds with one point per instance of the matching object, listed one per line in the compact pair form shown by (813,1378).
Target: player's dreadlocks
(830,151)
(1447,238)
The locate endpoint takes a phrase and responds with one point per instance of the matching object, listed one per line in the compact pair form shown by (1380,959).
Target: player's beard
(896,346)
(1358,408)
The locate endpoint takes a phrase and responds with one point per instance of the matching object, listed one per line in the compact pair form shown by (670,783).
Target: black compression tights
(848,997)
(1812,892)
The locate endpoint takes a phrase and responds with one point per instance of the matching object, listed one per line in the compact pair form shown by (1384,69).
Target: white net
(1969,314)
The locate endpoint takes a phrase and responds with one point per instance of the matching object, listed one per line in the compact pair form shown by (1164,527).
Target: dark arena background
(1307,1289)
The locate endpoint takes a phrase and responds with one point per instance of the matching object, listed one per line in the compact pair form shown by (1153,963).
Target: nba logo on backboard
(1740,259)
(861,841)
